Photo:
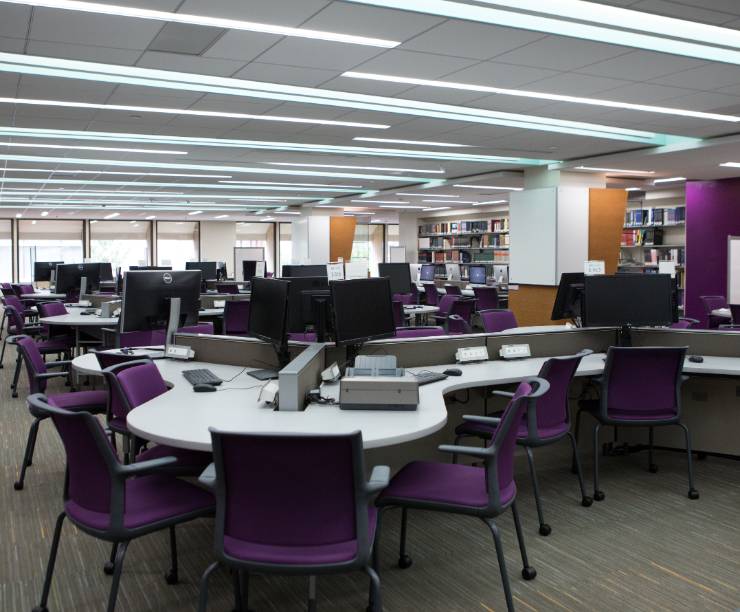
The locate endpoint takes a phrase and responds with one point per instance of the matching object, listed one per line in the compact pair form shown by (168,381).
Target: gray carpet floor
(646,547)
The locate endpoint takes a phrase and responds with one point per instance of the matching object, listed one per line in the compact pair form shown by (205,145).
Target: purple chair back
(230,288)
(321,475)
(404,298)
(431,293)
(445,304)
(419,332)
(200,328)
(137,338)
(464,308)
(302,337)
(714,302)
(34,362)
(497,320)
(16,324)
(26,288)
(642,383)
(131,384)
(684,324)
(236,317)
(453,290)
(51,309)
(6,289)
(397,313)
(414,294)
(487,297)
(456,325)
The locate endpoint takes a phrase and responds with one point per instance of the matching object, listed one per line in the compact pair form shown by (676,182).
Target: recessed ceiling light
(195,212)
(403,207)
(436,208)
(112,215)
(342,167)
(500,188)
(172,174)
(539,95)
(18,215)
(730,165)
(166,79)
(673,179)
(203,20)
(616,170)
(132,222)
(588,11)
(423,143)
(353,214)
(193,113)
(45,213)
(379,201)
(32,145)
(634,189)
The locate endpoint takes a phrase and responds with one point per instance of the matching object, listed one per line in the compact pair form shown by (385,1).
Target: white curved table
(420,310)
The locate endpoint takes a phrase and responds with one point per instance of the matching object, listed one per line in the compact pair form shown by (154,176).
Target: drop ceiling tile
(642,66)
(188,63)
(365,86)
(14,20)
(64,89)
(509,104)
(279,12)
(12,45)
(495,74)
(302,52)
(441,96)
(135,95)
(561,53)
(679,10)
(234,104)
(643,93)
(706,78)
(574,84)
(238,45)
(705,101)
(287,75)
(411,63)
(87,53)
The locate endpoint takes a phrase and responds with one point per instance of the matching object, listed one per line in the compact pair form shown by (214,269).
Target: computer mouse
(203,388)
(696,359)
(453,372)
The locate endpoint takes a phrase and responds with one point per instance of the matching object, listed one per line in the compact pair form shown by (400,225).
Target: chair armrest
(47,375)
(502,393)
(59,364)
(379,479)
(473,451)
(207,477)
(483,420)
(145,467)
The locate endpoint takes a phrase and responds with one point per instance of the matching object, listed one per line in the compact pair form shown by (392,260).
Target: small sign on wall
(594,267)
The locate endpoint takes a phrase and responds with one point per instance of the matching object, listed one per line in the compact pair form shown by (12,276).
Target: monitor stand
(624,336)
(268,374)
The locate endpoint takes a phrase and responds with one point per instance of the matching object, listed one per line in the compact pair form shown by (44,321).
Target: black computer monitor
(146,298)
(298,285)
(427,273)
(399,274)
(316,311)
(249,269)
(362,310)
(106,271)
(208,268)
(69,277)
(626,300)
(150,268)
(568,299)
(312,270)
(268,314)
(42,270)
(477,275)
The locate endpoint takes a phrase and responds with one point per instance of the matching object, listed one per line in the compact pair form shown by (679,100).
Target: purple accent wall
(712,214)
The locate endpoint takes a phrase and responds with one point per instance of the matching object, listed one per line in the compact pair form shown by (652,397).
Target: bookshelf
(654,231)
(465,242)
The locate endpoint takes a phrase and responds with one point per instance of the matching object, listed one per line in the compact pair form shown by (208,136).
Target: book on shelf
(636,217)
(500,225)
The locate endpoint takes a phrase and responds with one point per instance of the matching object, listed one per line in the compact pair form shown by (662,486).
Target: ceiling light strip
(35,145)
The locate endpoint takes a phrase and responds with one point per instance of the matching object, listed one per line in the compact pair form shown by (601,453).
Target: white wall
(311,234)
(217,241)
(408,232)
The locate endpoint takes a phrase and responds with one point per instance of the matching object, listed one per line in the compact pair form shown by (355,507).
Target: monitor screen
(42,270)
(249,269)
(208,268)
(150,267)
(145,302)
(221,272)
(362,310)
(568,299)
(398,274)
(298,285)
(453,271)
(106,272)
(268,309)
(477,275)
(628,299)
(69,277)
(293,271)
(427,273)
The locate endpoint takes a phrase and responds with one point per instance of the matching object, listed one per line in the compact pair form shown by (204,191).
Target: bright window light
(342,167)
(45,213)
(423,143)
(499,187)
(34,145)
(195,212)
(616,170)
(673,179)
(203,20)
(192,112)
(585,31)
(112,215)
(540,95)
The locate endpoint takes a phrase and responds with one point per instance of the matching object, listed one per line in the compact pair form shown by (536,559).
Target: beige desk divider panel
(232,350)
(606,208)
(341,236)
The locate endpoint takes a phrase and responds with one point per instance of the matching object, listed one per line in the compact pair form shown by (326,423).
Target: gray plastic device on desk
(375,383)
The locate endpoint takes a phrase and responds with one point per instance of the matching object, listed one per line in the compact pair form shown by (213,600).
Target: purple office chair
(422,331)
(236,317)
(38,374)
(486,298)
(432,294)
(397,312)
(135,338)
(113,502)
(204,327)
(714,302)
(405,298)
(6,289)
(26,313)
(483,492)
(640,387)
(456,325)
(453,290)
(230,288)
(131,384)
(546,422)
(257,527)
(464,307)
(497,320)
(55,309)
(445,306)
(414,294)
(684,323)
(302,337)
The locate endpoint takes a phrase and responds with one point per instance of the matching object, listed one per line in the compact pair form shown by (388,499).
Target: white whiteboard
(397,254)
(246,254)
(733,269)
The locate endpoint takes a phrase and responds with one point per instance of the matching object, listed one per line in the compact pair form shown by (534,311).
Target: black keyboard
(198,377)
(424,378)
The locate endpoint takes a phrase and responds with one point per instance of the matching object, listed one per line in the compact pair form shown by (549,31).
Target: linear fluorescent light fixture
(379,201)
(730,165)
(195,212)
(170,174)
(450,201)
(402,206)
(80,193)
(428,195)
(292,184)
(221,217)
(423,143)
(167,79)
(35,145)
(634,189)
(343,167)
(436,208)
(539,95)
(489,202)
(500,188)
(203,20)
(614,170)
(673,179)
(249,144)
(192,112)
(588,11)
(112,215)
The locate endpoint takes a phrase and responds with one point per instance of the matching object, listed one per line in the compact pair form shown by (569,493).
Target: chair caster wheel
(14,394)
(171,577)
(40,609)
(693,494)
(405,562)
(529,573)
(545,529)
(108,568)
(652,468)
(18,486)
(599,496)
(586,501)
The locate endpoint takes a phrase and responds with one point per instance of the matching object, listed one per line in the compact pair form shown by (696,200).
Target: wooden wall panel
(532,304)
(341,236)
(606,208)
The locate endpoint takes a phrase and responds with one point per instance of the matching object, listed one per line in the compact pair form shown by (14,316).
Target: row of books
(636,237)
(655,216)
(463,257)
(465,227)
(470,242)
(677,255)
